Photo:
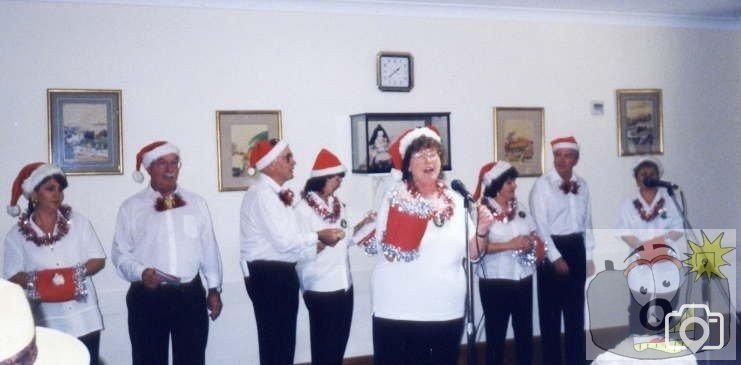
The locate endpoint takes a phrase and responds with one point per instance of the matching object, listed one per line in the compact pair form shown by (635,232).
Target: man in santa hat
(164,239)
(560,206)
(271,242)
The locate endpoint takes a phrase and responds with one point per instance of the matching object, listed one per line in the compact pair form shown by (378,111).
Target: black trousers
(416,342)
(169,311)
(501,299)
(92,343)
(330,315)
(563,294)
(273,289)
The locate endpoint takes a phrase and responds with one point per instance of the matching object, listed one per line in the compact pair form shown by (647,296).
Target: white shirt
(80,244)
(178,241)
(556,213)
(269,229)
(329,270)
(630,222)
(433,286)
(503,264)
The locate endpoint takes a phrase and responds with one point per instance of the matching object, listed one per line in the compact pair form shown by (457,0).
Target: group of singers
(164,245)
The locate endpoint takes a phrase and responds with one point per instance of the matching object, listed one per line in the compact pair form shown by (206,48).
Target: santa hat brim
(328,171)
(565,146)
(37,176)
(408,138)
(269,157)
(158,152)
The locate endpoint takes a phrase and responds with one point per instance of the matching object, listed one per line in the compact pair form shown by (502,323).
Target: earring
(34,201)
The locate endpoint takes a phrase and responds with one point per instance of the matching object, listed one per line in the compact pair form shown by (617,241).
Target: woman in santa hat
(419,287)
(510,250)
(52,253)
(325,278)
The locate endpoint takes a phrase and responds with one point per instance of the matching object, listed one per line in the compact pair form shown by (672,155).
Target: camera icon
(712,328)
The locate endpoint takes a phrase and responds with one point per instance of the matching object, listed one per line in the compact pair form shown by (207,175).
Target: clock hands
(395,70)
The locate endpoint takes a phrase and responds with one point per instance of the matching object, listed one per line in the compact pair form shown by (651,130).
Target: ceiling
(700,13)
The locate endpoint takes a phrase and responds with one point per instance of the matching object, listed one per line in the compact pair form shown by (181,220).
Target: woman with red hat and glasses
(510,250)
(52,253)
(325,278)
(419,288)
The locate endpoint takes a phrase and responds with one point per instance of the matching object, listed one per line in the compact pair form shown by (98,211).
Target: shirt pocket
(190,226)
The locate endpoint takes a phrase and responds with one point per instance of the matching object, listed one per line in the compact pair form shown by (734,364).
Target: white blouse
(80,244)
(329,270)
(504,264)
(668,219)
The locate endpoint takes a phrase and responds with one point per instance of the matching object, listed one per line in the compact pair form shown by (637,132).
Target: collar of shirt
(156,194)
(271,183)
(555,179)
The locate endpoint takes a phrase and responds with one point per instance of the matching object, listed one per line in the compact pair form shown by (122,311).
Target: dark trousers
(416,342)
(330,315)
(92,343)
(273,289)
(501,299)
(559,294)
(156,315)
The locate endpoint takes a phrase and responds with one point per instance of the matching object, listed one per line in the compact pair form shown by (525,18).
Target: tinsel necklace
(658,210)
(439,209)
(502,216)
(24,225)
(312,199)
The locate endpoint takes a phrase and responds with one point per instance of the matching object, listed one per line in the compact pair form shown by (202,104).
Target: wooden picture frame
(85,131)
(236,132)
(640,125)
(518,138)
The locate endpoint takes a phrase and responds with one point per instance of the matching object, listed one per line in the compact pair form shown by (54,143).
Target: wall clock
(395,71)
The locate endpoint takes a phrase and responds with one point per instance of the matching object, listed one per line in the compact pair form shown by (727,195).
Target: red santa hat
(263,153)
(149,153)
(488,173)
(397,160)
(28,178)
(410,135)
(565,143)
(326,163)
(650,160)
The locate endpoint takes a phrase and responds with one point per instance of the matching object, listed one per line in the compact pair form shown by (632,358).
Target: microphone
(460,188)
(656,183)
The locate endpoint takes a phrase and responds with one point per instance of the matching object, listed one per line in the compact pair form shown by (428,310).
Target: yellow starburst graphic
(708,257)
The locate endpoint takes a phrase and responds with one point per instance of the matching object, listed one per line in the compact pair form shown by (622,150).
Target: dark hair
(645,163)
(316,184)
(496,185)
(378,130)
(59,178)
(419,144)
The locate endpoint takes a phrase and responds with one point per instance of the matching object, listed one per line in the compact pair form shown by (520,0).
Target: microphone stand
(470,321)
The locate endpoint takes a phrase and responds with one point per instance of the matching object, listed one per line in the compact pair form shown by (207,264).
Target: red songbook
(57,285)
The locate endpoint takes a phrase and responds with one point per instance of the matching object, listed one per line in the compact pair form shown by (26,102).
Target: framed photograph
(372,133)
(236,132)
(85,131)
(639,122)
(518,138)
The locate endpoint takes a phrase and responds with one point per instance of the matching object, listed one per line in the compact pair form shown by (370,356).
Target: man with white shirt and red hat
(164,241)
(561,208)
(271,242)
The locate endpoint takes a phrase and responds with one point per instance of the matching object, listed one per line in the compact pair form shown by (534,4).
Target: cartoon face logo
(653,279)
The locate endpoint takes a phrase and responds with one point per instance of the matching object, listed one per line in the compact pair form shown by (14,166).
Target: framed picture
(236,132)
(518,138)
(372,133)
(639,122)
(85,131)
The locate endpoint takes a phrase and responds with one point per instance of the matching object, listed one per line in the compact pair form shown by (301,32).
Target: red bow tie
(169,202)
(286,196)
(570,187)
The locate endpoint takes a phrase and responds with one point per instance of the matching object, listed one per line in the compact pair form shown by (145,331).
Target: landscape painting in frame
(518,138)
(85,131)
(640,122)
(237,131)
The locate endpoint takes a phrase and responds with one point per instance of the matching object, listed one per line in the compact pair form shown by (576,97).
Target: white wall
(177,66)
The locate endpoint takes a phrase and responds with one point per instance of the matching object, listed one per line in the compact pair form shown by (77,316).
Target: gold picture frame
(640,122)
(236,132)
(518,138)
(85,131)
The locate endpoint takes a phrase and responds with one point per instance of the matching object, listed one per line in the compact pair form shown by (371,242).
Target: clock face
(395,72)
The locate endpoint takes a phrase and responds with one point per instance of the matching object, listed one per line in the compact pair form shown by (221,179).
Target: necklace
(502,216)
(658,210)
(24,226)
(439,208)
(312,199)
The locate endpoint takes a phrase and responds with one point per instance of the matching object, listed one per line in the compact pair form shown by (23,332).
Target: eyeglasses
(429,155)
(162,164)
